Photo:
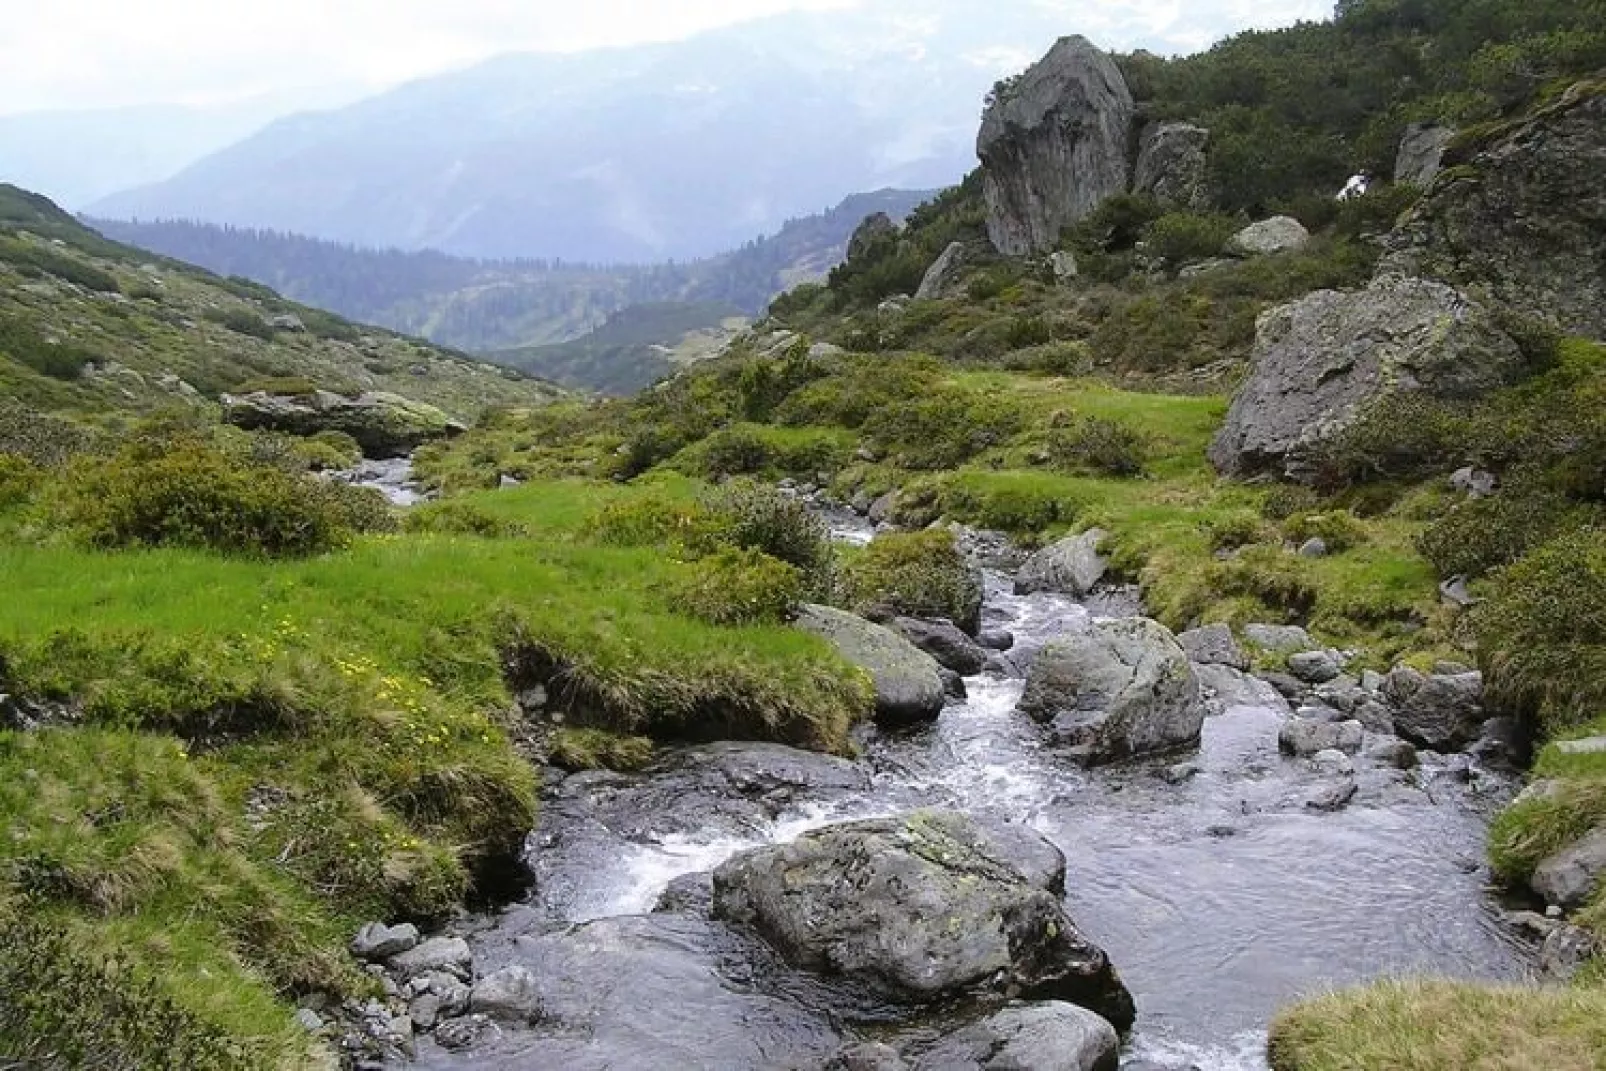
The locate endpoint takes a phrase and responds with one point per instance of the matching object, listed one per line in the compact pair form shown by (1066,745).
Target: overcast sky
(108,53)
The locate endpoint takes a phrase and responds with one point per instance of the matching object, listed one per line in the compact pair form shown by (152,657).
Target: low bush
(1340,530)
(1286,499)
(737,451)
(1478,535)
(649,522)
(189,493)
(30,256)
(242,322)
(1100,446)
(1542,632)
(19,479)
(596,749)
(738,587)
(915,574)
(20,341)
(1010,503)
(1181,236)
(750,516)
(944,427)
(459,517)
(1240,528)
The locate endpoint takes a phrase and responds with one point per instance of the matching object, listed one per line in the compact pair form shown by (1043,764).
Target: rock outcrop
(1049,1036)
(870,231)
(945,278)
(1421,153)
(908,685)
(384,425)
(1569,877)
(1072,566)
(1172,165)
(925,907)
(1053,145)
(1517,216)
(1214,645)
(1321,362)
(1123,689)
(1279,234)
(1443,713)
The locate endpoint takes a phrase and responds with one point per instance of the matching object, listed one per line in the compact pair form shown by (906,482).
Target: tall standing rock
(1421,153)
(1517,217)
(1053,145)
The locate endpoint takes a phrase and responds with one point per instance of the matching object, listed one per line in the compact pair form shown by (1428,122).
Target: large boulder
(1421,153)
(1125,688)
(1072,566)
(1279,234)
(1172,166)
(1322,362)
(923,908)
(1050,1036)
(946,276)
(1213,645)
(1569,878)
(944,641)
(1517,216)
(1442,713)
(384,425)
(908,686)
(1053,146)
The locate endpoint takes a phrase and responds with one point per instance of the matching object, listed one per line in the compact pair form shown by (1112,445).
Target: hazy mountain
(643,154)
(495,305)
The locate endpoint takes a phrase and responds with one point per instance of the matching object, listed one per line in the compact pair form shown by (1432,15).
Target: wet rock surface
(907,685)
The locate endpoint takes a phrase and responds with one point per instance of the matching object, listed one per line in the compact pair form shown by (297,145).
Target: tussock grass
(1444,1026)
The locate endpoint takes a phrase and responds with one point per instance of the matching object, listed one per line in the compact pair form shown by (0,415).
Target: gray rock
(1376,716)
(1454,592)
(1123,689)
(922,907)
(1230,688)
(1050,1036)
(689,894)
(1054,146)
(1313,548)
(1279,638)
(945,278)
(1172,165)
(953,685)
(1343,693)
(1333,761)
(378,941)
(1503,742)
(868,1056)
(459,1034)
(1279,234)
(1590,745)
(1438,713)
(1214,645)
(1519,218)
(425,1011)
(882,509)
(511,993)
(943,641)
(1181,773)
(384,425)
(1566,949)
(996,640)
(1307,736)
(1421,152)
(1373,681)
(1393,752)
(1314,667)
(1292,688)
(1568,878)
(822,350)
(1072,566)
(309,1020)
(907,682)
(1324,361)
(286,321)
(449,954)
(1334,797)
(1474,483)
(1062,263)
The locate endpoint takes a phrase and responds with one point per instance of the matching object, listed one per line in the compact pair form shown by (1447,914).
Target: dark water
(1219,899)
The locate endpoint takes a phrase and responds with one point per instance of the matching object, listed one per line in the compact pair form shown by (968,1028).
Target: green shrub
(288,386)
(242,322)
(22,342)
(944,427)
(1527,833)
(753,517)
(189,493)
(738,587)
(915,574)
(1286,499)
(459,517)
(1267,574)
(1099,445)
(737,451)
(1341,530)
(19,479)
(1180,236)
(649,522)
(1406,435)
(29,255)
(65,1005)
(1240,528)
(1019,507)
(1542,632)
(1478,535)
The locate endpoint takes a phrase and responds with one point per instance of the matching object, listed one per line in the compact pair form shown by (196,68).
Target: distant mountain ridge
(501,305)
(644,154)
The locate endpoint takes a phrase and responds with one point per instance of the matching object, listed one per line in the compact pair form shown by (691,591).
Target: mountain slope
(90,325)
(642,154)
(496,305)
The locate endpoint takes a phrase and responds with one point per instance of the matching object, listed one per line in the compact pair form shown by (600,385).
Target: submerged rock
(1323,362)
(908,685)
(923,907)
(1123,689)
(1053,146)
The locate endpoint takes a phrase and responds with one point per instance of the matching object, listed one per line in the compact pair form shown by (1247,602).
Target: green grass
(1444,1026)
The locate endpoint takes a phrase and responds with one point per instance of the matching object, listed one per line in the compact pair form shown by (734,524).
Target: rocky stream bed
(740,906)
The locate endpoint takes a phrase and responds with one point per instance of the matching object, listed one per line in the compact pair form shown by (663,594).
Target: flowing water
(1219,897)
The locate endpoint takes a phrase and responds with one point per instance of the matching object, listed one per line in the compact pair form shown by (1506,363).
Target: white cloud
(106,53)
